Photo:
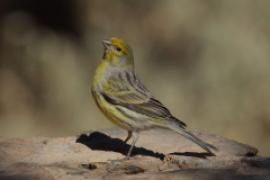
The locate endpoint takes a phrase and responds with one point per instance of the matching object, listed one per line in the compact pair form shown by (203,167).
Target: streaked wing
(126,90)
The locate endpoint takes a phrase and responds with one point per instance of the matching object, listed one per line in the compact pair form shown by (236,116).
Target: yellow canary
(124,100)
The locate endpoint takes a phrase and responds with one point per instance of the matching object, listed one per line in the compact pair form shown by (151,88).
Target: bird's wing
(126,90)
(124,87)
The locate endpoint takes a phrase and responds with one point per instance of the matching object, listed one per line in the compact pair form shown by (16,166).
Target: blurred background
(208,61)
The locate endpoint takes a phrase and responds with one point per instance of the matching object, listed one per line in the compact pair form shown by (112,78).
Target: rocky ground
(159,154)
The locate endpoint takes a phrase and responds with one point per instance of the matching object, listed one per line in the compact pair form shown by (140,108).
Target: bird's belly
(112,114)
(126,119)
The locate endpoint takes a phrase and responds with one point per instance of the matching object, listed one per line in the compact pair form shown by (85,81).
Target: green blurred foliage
(208,61)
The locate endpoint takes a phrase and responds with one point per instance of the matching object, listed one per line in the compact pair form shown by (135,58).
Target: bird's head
(117,52)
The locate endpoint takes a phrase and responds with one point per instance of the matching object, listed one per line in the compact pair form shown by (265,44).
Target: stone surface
(159,154)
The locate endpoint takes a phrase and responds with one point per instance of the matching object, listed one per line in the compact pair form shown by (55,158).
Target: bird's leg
(135,139)
(129,136)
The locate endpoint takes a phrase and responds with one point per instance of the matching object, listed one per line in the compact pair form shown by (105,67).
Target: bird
(125,101)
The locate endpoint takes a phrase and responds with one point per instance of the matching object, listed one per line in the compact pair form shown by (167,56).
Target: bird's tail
(179,128)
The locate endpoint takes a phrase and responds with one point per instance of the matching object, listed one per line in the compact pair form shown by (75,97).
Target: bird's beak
(106,43)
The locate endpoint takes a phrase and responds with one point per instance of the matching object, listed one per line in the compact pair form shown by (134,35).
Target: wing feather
(126,90)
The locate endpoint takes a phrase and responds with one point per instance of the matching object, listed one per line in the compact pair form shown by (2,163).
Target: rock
(158,154)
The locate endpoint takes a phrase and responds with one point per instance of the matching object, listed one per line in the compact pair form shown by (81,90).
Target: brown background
(208,61)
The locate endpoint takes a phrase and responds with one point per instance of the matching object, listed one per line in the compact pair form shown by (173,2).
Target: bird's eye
(118,49)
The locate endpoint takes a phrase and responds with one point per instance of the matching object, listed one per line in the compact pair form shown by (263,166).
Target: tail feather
(176,126)
(207,147)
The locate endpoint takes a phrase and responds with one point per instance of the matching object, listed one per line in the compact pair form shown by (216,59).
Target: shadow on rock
(100,141)
(192,154)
